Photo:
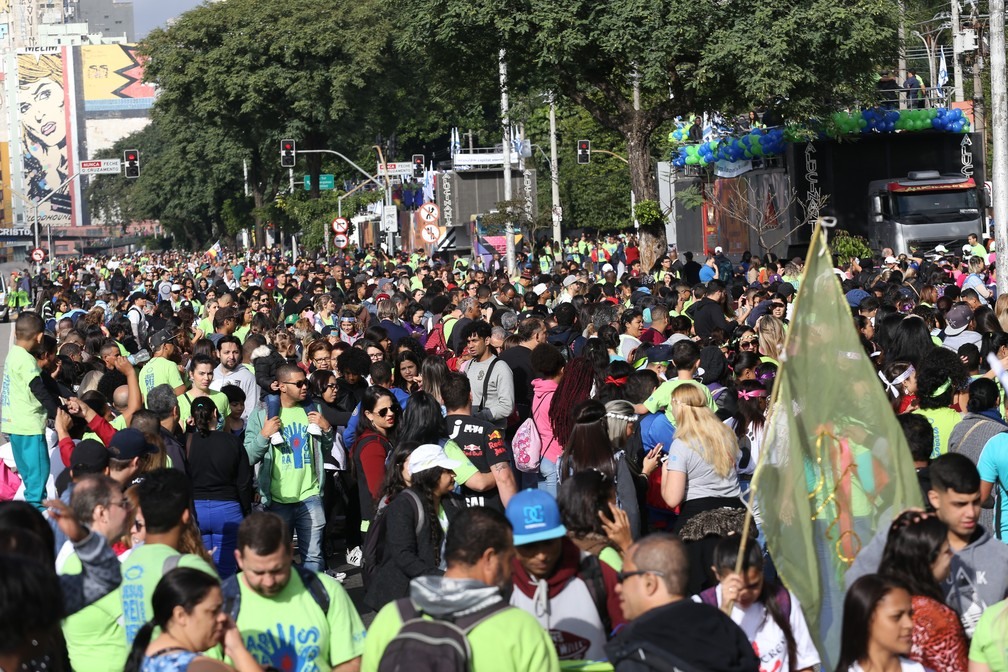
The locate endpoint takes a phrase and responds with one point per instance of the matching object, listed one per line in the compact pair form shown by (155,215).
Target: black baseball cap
(129,443)
(89,457)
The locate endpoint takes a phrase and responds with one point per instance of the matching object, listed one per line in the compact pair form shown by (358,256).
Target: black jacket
(704,640)
(708,316)
(406,554)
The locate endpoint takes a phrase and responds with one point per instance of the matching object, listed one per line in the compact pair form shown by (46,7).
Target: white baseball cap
(718,250)
(428,456)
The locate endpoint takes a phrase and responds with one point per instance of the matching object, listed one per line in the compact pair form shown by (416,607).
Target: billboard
(46,132)
(111,78)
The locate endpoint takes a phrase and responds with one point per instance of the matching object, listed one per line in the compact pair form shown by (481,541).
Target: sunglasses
(388,410)
(623,576)
(748,343)
(297,383)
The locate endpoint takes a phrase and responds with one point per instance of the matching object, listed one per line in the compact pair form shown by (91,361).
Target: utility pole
(506,120)
(979,113)
(636,107)
(901,65)
(999,144)
(956,42)
(554,172)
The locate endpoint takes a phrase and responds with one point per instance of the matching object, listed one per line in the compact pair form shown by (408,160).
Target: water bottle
(141,357)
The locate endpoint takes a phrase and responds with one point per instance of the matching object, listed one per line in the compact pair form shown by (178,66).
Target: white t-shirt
(905,666)
(768,639)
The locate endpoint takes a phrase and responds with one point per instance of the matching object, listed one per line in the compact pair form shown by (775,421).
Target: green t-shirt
(241,332)
(159,371)
(289,631)
(509,641)
(220,401)
(979,250)
(943,421)
(206,326)
(464,471)
(141,573)
(22,413)
(118,422)
(611,557)
(990,646)
(661,398)
(293,478)
(94,635)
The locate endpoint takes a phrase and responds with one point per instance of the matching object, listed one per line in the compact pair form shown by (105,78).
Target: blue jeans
(308,519)
(272,405)
(549,477)
(218,524)
(31,455)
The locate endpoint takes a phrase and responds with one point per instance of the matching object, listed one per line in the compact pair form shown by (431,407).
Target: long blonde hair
(771,336)
(700,429)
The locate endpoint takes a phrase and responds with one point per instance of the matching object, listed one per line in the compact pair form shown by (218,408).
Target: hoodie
(542,396)
(976,580)
(442,596)
(563,604)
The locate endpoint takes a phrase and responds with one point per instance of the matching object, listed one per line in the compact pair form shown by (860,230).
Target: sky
(150,14)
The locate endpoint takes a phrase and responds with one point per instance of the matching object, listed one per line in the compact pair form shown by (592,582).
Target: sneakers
(339,576)
(277,439)
(314,429)
(354,556)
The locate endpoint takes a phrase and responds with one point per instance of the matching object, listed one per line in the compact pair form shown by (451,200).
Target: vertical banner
(46,129)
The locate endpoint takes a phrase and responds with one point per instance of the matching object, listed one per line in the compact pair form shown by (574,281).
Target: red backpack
(437,344)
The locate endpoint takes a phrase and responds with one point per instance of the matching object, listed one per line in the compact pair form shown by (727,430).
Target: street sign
(390,219)
(429,213)
(100,167)
(431,233)
(340,225)
(395,169)
(340,240)
(38,255)
(326,182)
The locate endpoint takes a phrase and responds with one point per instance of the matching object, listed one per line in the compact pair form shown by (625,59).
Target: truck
(924,209)
(909,191)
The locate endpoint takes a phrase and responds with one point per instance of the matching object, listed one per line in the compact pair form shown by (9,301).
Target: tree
(255,72)
(636,65)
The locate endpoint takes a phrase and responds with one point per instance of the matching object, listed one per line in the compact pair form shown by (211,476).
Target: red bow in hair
(618,382)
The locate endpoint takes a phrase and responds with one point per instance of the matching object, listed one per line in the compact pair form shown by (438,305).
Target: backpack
(781,596)
(642,655)
(590,571)
(564,341)
(231,591)
(436,343)
(527,444)
(438,645)
(373,546)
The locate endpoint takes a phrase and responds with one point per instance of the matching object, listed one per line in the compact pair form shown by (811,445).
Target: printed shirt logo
(296,451)
(569,646)
(287,648)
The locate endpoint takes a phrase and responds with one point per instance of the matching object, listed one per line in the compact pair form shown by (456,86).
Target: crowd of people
(528,470)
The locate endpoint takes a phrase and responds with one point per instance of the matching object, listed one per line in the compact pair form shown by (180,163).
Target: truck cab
(922,210)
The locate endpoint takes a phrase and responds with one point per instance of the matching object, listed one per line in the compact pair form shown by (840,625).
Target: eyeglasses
(321,359)
(387,410)
(297,383)
(123,504)
(331,386)
(376,356)
(623,576)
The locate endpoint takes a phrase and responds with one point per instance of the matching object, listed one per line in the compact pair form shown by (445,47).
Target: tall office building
(112,18)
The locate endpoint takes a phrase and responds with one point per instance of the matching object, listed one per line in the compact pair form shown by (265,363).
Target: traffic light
(584,151)
(131,158)
(418,165)
(288,154)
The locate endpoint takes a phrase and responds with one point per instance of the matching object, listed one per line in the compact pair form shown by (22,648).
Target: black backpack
(373,547)
(231,591)
(433,645)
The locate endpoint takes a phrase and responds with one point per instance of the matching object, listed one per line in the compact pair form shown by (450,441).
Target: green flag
(835,464)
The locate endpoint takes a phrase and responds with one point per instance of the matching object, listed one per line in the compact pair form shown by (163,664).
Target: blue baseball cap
(535,517)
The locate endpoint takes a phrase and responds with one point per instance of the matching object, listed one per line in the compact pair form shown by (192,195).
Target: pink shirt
(542,396)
